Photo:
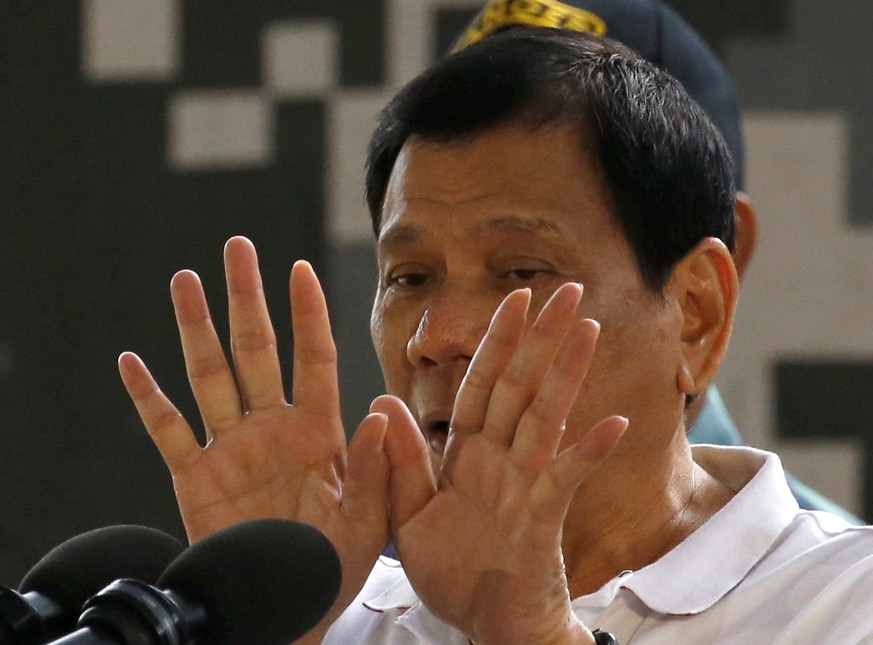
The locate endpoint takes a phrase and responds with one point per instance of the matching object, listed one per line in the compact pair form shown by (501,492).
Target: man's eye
(524,274)
(407,279)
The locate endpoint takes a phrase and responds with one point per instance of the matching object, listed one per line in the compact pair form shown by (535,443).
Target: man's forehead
(517,150)
(510,156)
(511,180)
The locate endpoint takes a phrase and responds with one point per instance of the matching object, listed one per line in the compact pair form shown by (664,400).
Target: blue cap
(648,27)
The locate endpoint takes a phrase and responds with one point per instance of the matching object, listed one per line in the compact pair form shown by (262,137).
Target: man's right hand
(265,456)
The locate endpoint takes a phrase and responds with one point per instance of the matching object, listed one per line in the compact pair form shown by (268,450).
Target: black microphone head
(74,571)
(260,582)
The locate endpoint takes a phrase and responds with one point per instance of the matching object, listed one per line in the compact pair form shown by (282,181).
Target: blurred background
(136,136)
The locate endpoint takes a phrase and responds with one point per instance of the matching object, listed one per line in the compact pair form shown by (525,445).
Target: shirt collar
(726,547)
(399,595)
(401,600)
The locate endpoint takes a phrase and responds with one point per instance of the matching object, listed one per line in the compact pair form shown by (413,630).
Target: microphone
(52,593)
(262,582)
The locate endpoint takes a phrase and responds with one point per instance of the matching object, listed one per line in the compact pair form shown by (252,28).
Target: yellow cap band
(537,13)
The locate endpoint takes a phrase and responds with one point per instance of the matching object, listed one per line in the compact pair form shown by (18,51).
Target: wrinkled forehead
(515,167)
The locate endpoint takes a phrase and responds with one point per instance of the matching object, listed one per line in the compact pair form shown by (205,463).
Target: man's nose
(450,329)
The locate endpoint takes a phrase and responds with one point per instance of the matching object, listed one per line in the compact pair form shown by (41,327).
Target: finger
(315,370)
(365,490)
(520,380)
(553,490)
(168,430)
(210,377)
(412,483)
(503,335)
(252,339)
(541,427)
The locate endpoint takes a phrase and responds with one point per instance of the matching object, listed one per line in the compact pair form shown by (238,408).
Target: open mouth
(436,433)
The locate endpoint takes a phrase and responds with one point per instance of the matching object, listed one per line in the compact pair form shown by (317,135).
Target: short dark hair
(665,164)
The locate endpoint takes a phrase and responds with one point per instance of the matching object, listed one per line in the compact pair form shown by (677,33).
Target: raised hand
(266,457)
(482,547)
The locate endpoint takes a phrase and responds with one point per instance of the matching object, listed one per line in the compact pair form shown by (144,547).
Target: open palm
(482,547)
(265,456)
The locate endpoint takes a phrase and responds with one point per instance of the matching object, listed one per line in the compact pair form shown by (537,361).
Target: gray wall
(138,135)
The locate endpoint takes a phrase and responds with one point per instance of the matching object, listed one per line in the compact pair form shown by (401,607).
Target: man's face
(463,225)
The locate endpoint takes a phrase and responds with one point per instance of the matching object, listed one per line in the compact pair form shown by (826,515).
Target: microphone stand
(130,612)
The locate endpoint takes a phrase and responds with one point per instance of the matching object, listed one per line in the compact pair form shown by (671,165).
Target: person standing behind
(664,38)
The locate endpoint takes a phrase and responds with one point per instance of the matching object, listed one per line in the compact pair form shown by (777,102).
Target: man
(505,178)
(661,36)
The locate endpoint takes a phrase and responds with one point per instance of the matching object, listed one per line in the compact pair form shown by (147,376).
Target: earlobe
(684,380)
(706,287)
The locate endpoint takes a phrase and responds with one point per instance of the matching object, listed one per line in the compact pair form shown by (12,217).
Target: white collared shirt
(760,571)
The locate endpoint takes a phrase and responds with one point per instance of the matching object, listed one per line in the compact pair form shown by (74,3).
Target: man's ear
(705,285)
(746,236)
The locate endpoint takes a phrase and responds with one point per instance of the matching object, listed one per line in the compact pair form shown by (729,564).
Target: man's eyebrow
(528,224)
(523,224)
(398,235)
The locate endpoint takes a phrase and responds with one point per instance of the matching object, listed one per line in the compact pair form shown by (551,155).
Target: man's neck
(614,526)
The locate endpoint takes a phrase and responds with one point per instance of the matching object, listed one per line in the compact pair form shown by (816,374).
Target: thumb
(411,483)
(365,490)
